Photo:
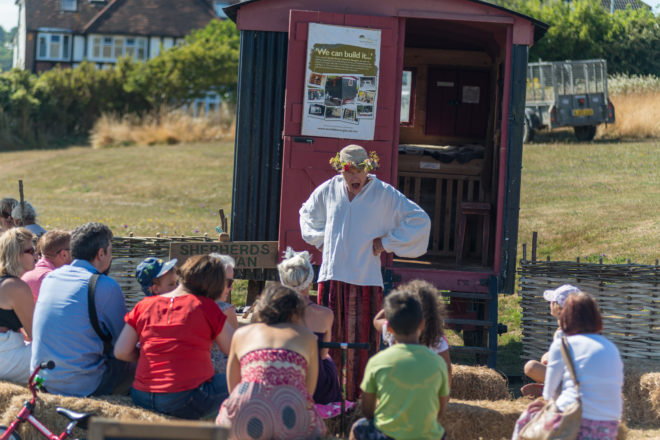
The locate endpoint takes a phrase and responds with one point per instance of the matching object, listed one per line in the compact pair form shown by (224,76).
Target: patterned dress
(271,402)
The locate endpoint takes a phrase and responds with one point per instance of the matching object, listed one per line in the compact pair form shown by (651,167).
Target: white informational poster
(341,82)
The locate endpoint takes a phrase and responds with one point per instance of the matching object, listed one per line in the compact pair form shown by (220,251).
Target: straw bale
(478,383)
(641,393)
(8,390)
(114,408)
(482,419)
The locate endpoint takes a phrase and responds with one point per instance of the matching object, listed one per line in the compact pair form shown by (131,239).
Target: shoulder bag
(93,317)
(550,423)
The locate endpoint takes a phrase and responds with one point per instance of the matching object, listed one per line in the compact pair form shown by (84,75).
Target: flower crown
(370,163)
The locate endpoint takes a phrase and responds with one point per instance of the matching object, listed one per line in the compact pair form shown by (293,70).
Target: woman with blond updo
(296,272)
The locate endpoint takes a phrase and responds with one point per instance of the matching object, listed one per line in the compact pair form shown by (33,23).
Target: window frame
(65,46)
(100,43)
(73,2)
(413,85)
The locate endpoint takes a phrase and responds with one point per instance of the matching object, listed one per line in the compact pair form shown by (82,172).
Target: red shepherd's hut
(436,87)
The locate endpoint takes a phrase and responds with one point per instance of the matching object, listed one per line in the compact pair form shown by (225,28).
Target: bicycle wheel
(12,436)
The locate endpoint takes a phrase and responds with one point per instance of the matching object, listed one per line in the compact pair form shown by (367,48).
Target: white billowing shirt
(346,229)
(599,370)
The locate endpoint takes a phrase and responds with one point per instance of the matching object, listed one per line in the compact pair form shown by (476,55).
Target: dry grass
(165,127)
(637,117)
(641,394)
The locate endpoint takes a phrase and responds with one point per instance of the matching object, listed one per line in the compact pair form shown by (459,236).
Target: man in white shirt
(353,218)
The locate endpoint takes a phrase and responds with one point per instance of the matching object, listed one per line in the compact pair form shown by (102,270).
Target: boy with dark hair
(405,387)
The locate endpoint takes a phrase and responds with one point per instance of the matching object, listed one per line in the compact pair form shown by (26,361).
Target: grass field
(585,199)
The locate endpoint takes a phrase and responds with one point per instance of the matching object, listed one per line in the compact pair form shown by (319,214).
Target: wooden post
(224,236)
(535,237)
(22,201)
(253,291)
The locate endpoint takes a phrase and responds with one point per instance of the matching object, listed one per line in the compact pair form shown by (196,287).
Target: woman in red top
(175,332)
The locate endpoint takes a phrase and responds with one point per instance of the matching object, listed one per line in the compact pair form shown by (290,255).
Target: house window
(54,46)
(69,5)
(113,48)
(217,7)
(407,97)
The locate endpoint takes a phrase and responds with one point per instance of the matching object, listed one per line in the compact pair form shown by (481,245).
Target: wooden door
(305,163)
(458,102)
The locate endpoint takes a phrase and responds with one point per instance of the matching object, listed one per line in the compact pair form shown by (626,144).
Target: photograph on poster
(332,112)
(366,97)
(317,111)
(316,79)
(368,83)
(340,90)
(365,111)
(350,115)
(314,94)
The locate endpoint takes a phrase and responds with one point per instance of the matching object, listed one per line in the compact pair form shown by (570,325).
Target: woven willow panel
(628,296)
(128,252)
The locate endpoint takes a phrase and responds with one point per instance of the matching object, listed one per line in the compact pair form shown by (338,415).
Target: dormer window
(69,5)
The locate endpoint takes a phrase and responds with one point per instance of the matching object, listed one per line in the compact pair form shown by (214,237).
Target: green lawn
(586,200)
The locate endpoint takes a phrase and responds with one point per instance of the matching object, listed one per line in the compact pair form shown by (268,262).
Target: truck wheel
(528,132)
(585,132)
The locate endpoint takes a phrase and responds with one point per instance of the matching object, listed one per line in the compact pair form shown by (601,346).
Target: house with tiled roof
(66,32)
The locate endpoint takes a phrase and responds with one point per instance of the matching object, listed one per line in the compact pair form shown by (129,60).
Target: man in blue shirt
(62,330)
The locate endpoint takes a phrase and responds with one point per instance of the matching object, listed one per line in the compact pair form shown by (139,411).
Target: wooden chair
(481,209)
(106,429)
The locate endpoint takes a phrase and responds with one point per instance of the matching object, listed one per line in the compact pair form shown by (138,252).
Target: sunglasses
(29,251)
(230,282)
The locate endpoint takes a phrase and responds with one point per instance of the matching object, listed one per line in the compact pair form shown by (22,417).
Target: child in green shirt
(405,387)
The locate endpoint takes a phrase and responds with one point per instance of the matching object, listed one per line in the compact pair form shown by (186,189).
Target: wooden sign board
(109,429)
(248,254)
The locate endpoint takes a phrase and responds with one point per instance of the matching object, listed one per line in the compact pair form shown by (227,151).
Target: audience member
(405,387)
(55,250)
(272,372)
(63,331)
(6,220)
(533,368)
(17,255)
(296,272)
(25,215)
(598,369)
(156,276)
(175,331)
(433,335)
(219,357)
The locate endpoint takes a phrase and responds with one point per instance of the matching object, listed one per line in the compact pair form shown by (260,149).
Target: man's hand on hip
(378,246)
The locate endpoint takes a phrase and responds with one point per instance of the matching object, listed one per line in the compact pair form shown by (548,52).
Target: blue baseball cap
(151,268)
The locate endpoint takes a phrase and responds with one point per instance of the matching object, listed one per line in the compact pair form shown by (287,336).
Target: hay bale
(482,419)
(641,394)
(478,383)
(8,390)
(115,407)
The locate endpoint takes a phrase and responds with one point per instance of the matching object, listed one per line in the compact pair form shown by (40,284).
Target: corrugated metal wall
(258,147)
(514,167)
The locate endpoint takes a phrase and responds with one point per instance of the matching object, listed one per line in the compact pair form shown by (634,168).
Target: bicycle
(25,414)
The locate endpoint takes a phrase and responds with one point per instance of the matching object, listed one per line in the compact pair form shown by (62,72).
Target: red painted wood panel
(305,165)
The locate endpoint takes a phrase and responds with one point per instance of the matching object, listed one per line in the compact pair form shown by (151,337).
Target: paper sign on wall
(341,82)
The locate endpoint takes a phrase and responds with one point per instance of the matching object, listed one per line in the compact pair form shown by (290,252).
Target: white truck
(567,94)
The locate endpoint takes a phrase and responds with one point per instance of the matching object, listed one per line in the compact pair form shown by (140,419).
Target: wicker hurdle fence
(627,294)
(128,252)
